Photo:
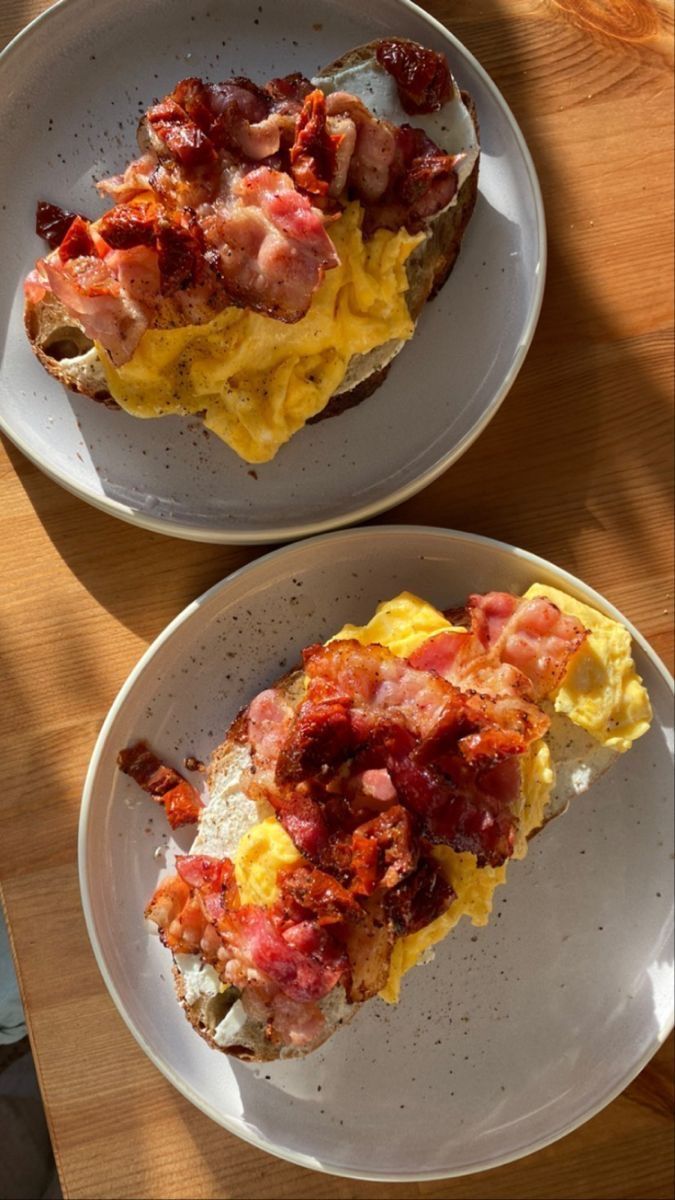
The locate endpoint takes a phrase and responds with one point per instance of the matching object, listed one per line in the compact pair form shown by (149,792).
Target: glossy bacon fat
(231,201)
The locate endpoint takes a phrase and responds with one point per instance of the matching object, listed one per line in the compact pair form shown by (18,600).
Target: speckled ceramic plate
(517,1032)
(169,475)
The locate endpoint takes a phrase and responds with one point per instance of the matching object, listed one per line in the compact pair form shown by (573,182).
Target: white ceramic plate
(517,1032)
(79,125)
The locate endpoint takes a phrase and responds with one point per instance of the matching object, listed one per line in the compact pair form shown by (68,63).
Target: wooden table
(589,81)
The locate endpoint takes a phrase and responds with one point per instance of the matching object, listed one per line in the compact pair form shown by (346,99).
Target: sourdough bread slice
(219,1016)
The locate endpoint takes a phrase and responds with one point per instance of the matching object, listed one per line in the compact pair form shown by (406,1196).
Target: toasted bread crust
(52,332)
(253,1044)
(54,335)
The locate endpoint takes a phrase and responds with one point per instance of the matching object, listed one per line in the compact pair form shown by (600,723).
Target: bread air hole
(67,342)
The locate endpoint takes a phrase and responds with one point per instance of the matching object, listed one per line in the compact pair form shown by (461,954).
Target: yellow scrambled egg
(261,853)
(259,380)
(600,691)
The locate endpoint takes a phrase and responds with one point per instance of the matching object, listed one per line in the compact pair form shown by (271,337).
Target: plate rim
(170,527)
(248,1134)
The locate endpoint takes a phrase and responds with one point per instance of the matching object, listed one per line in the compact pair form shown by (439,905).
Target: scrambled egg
(258,380)
(261,853)
(601,692)
(402,625)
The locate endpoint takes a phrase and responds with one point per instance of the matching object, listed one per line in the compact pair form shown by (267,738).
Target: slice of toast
(66,352)
(578,758)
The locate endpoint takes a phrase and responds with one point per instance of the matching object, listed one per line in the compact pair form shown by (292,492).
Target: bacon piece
(268,719)
(164,784)
(484,726)
(233,101)
(168,901)
(212,879)
(179,256)
(180,918)
(272,247)
(306,970)
(146,769)
(515,647)
(422,181)
(241,119)
(201,870)
(320,739)
(289,92)
(137,273)
(460,658)
(194,97)
(181,804)
(419,898)
(422,76)
(91,293)
(428,179)
(318,892)
(376,785)
(385,850)
(236,116)
(440,652)
(53,222)
(180,136)
(303,821)
(379,684)
(463,807)
(134,180)
(489,614)
(438,745)
(537,639)
(375,146)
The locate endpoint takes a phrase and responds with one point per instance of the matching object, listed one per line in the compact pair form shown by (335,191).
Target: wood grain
(577,466)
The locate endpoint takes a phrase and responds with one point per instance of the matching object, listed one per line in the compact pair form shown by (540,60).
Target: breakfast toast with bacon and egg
(361,806)
(270,252)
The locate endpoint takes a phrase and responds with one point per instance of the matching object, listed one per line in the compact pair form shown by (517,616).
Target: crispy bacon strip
(514,647)
(319,894)
(304,962)
(321,736)
(419,898)
(180,799)
(384,851)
